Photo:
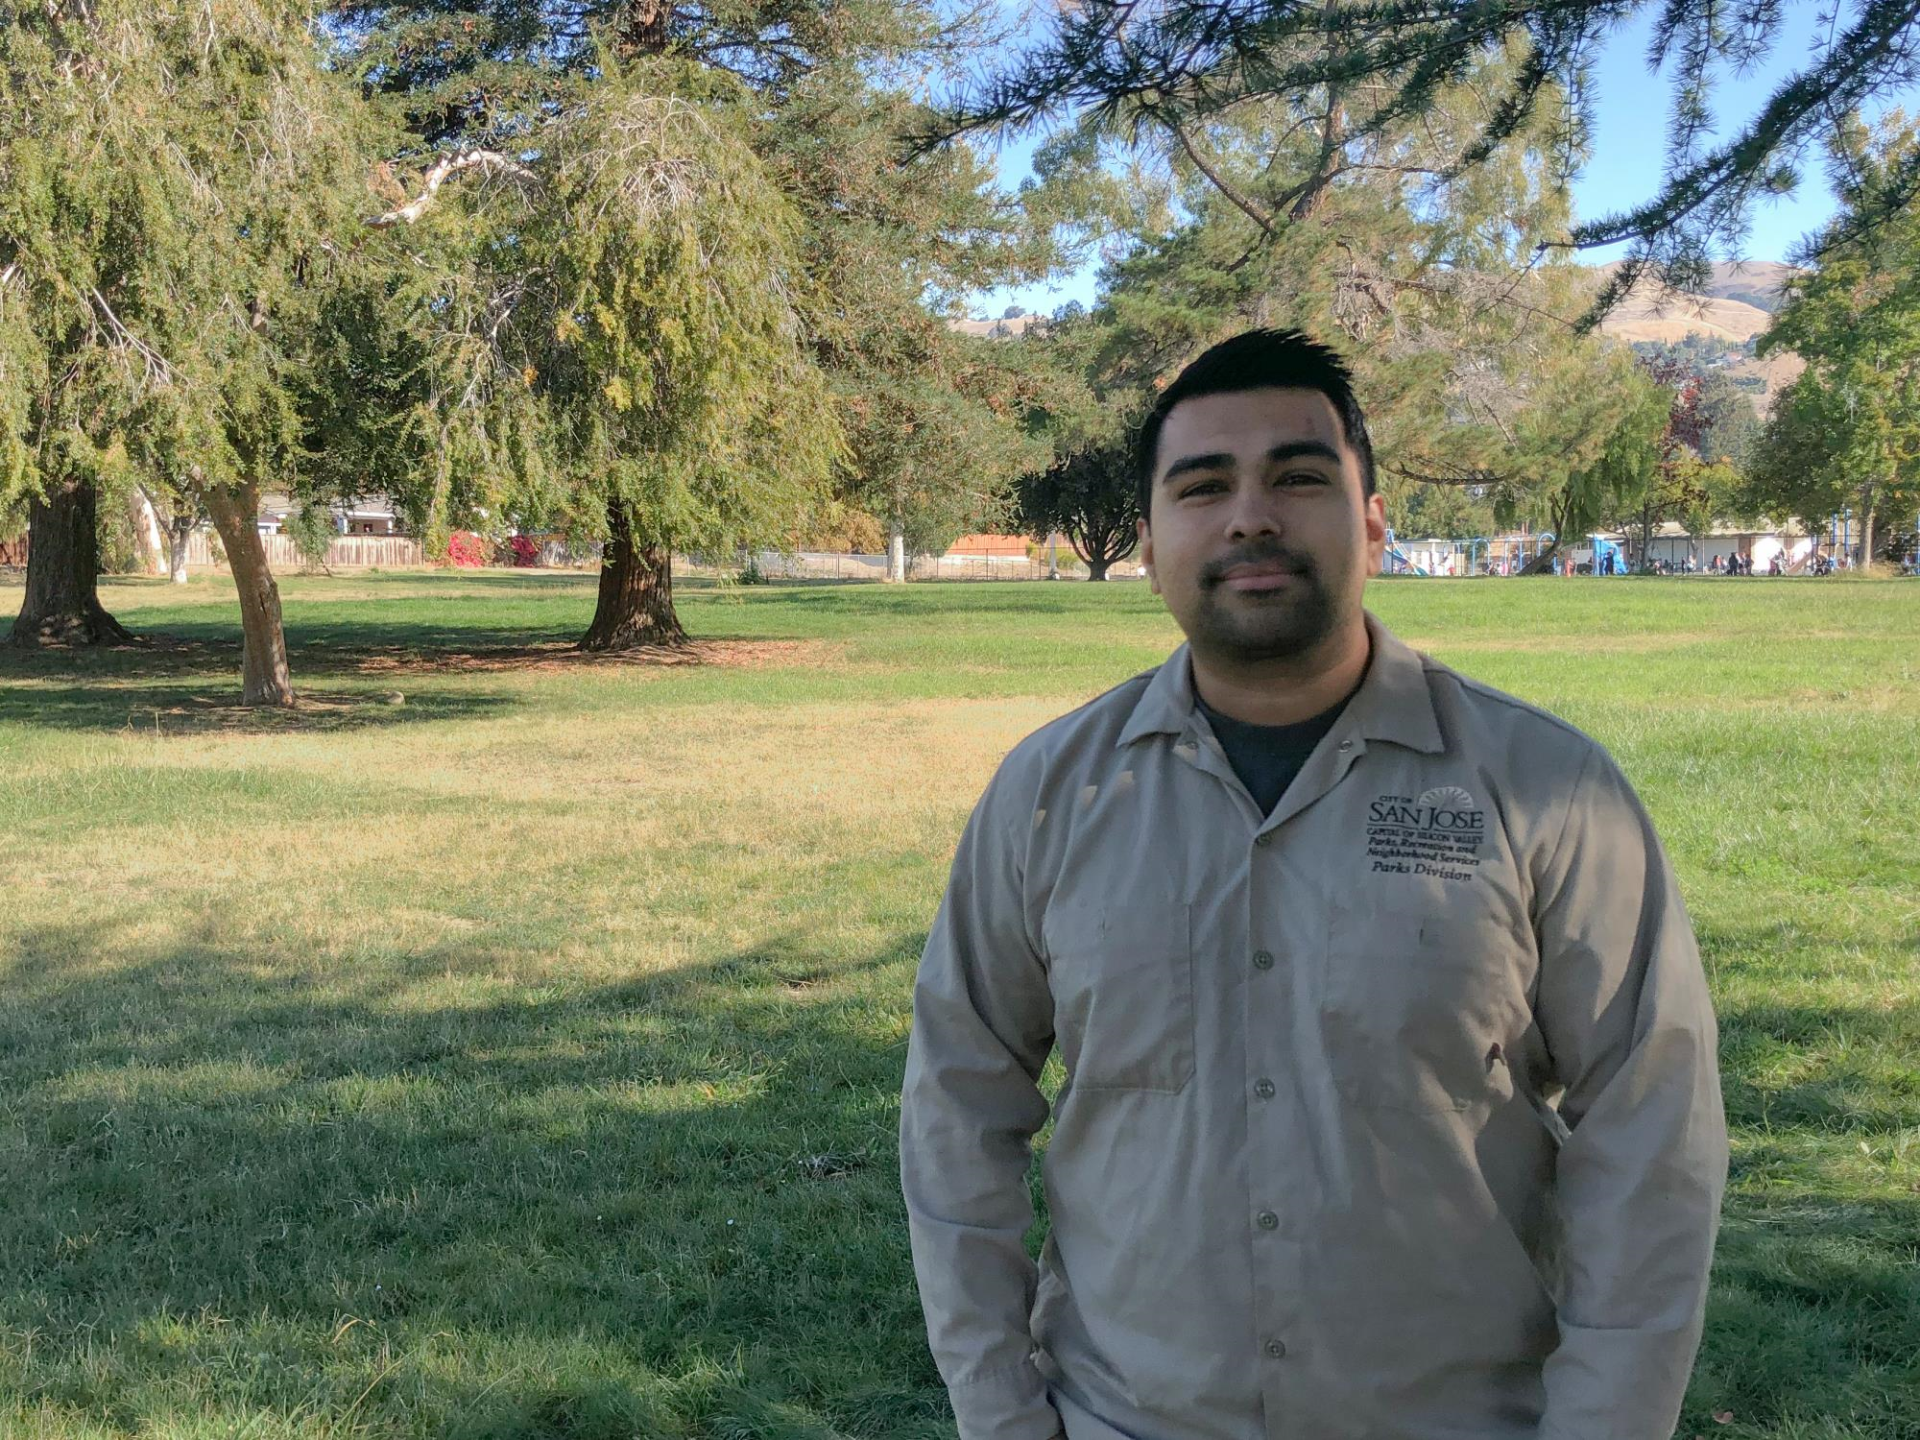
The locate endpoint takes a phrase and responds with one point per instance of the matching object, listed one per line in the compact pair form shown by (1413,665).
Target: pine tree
(1181,65)
(1315,214)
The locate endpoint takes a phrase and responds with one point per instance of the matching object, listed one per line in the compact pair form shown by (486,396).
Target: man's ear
(1146,553)
(1374,516)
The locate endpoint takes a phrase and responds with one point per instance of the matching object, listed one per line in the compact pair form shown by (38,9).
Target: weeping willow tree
(615,342)
(73,203)
(181,197)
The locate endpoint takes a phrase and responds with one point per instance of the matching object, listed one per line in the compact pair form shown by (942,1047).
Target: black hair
(1258,360)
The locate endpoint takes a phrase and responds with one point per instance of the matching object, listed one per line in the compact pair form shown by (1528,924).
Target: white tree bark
(897,553)
(437,175)
(148,545)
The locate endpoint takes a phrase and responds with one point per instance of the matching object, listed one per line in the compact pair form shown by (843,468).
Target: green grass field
(518,1058)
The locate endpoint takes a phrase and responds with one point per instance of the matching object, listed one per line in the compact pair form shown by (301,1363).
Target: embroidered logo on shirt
(1438,834)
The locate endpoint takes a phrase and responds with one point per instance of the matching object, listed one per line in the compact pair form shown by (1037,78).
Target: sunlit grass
(508,1046)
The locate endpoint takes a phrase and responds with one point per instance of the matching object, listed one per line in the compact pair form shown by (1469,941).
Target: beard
(1246,627)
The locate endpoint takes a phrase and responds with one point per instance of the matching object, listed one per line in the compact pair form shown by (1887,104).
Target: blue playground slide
(1398,563)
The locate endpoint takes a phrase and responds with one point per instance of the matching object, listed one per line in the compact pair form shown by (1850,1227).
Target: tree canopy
(1179,65)
(1846,434)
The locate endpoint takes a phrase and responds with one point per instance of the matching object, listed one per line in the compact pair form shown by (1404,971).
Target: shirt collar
(1392,703)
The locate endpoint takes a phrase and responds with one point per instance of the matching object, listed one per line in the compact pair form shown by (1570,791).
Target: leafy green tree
(615,337)
(1445,511)
(73,203)
(311,529)
(1088,495)
(173,195)
(843,389)
(1846,434)
(1476,377)
(937,422)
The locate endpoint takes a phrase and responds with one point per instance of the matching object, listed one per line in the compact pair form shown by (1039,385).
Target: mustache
(1263,552)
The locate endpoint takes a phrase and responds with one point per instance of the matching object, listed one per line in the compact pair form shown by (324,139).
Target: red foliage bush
(525,552)
(466,549)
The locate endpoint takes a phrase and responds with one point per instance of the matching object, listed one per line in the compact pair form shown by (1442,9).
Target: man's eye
(1202,487)
(1303,477)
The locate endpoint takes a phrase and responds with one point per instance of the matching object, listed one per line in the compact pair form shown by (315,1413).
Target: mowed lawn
(508,1044)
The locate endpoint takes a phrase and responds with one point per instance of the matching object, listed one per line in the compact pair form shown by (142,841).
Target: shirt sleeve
(971,1105)
(1624,1010)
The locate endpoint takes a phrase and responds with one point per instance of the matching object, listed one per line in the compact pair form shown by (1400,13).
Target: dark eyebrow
(1299,449)
(1279,454)
(1219,460)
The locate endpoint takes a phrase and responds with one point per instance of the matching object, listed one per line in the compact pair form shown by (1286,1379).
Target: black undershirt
(1267,757)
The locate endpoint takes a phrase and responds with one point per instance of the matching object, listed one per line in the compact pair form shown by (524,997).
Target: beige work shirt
(1393,1113)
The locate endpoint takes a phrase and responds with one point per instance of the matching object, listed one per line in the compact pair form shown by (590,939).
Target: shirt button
(1276,1349)
(1264,1089)
(1346,744)
(1263,960)
(1269,1220)
(1263,839)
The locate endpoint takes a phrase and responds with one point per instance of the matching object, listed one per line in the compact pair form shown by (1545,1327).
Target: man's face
(1259,535)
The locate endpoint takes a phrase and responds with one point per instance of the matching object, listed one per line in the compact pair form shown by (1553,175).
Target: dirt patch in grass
(558,656)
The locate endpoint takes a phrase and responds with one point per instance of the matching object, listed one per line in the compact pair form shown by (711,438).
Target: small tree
(1089,496)
(311,529)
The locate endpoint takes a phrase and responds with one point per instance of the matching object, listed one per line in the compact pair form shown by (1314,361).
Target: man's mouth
(1260,575)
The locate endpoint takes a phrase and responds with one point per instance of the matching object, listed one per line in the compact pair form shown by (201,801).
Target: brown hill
(1652,313)
(1738,309)
(1757,283)
(999,329)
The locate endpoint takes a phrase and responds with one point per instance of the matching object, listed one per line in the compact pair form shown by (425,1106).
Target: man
(1391,1106)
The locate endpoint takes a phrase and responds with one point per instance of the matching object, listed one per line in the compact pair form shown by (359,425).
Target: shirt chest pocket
(1122,980)
(1420,1011)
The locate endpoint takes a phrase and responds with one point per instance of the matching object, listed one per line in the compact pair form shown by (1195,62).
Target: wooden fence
(347,552)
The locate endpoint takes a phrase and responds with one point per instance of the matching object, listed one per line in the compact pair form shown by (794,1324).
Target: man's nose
(1252,513)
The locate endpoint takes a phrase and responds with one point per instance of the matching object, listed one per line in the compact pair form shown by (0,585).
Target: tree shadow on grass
(187,709)
(440,1198)
(183,686)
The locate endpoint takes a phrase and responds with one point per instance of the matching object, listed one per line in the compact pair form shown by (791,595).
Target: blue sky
(1629,145)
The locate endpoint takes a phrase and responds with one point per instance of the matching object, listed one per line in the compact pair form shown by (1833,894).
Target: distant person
(1390,1105)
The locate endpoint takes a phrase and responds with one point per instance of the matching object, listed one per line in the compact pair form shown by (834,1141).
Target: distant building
(368,515)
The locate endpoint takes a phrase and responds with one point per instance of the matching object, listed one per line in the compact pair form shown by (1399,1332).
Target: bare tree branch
(158,371)
(438,174)
(1252,211)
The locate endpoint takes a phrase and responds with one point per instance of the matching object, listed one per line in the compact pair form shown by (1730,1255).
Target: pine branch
(1240,202)
(439,173)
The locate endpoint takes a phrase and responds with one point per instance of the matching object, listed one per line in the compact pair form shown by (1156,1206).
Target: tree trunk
(636,592)
(179,532)
(897,552)
(62,602)
(1097,569)
(264,678)
(1866,524)
(1544,563)
(146,534)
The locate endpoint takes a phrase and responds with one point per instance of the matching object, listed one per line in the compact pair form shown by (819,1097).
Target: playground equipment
(1395,560)
(1478,555)
(1608,557)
